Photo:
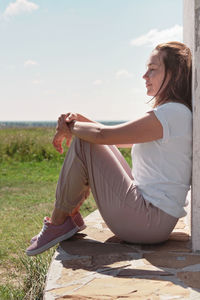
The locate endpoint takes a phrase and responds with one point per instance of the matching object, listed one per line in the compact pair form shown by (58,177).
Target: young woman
(141,205)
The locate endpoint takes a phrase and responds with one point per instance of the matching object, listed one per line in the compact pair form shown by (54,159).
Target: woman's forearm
(93,133)
(99,134)
(88,131)
(146,129)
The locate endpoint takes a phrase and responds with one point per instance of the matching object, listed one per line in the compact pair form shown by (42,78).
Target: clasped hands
(63,131)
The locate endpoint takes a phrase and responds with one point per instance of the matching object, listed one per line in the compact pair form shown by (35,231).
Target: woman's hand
(62,132)
(71,117)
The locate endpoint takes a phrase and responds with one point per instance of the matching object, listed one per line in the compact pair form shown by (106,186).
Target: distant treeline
(17,124)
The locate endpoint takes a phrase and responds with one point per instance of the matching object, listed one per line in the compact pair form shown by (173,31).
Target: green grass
(27,144)
(26,195)
(29,169)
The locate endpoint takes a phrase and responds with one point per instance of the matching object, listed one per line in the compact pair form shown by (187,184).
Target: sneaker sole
(82,227)
(53,242)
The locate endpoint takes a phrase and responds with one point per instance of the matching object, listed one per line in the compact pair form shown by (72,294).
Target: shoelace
(42,231)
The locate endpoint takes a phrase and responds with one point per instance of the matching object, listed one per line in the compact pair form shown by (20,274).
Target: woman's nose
(145,75)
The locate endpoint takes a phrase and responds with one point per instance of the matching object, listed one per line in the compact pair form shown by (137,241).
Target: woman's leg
(73,185)
(120,202)
(82,168)
(104,170)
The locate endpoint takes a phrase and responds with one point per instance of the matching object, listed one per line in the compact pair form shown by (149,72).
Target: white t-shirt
(162,168)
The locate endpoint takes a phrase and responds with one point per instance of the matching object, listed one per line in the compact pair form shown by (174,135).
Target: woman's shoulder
(176,119)
(174,114)
(174,108)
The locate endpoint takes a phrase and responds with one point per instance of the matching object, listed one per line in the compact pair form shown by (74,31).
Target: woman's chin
(149,93)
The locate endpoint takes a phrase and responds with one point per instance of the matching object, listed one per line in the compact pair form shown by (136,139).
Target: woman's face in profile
(155,74)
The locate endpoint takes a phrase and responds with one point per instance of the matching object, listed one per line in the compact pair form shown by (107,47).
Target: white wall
(192,39)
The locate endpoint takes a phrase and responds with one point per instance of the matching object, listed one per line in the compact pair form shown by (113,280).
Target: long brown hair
(178,63)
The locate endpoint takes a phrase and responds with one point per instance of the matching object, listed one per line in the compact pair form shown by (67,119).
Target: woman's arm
(81,118)
(145,129)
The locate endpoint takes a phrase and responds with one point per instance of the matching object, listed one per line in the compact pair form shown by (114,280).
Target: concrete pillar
(191,36)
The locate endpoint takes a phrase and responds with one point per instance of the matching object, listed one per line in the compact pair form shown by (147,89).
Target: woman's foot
(51,234)
(77,218)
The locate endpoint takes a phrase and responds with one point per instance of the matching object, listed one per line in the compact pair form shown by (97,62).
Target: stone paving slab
(96,265)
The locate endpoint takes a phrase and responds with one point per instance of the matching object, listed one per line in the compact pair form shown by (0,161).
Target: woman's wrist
(70,125)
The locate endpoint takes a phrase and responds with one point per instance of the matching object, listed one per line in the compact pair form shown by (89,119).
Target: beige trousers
(103,169)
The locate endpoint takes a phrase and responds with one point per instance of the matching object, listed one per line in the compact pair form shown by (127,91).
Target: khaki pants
(103,169)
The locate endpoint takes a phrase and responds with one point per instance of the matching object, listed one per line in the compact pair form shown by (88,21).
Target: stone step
(96,265)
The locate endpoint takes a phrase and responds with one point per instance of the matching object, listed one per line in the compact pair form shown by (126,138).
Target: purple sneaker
(51,234)
(77,219)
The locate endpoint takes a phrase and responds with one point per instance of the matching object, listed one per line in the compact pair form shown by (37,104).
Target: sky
(85,56)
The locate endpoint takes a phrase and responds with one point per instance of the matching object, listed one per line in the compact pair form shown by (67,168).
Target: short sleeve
(160,113)
(175,118)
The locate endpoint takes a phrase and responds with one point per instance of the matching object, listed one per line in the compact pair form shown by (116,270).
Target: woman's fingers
(67,117)
(57,142)
(62,118)
(59,138)
(62,131)
(71,117)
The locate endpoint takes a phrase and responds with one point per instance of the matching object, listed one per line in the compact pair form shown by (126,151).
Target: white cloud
(154,36)
(98,82)
(20,6)
(30,63)
(123,74)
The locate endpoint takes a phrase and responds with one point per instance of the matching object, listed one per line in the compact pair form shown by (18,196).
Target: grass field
(29,169)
